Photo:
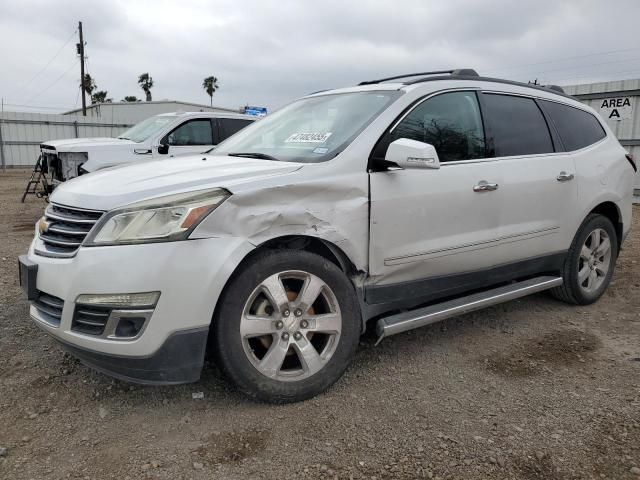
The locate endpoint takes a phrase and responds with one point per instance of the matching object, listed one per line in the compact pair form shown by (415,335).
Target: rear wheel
(590,262)
(287,327)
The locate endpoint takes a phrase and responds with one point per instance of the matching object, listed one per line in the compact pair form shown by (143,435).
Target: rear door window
(518,127)
(577,128)
(229,126)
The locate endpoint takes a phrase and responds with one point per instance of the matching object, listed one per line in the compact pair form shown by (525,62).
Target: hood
(87,144)
(115,187)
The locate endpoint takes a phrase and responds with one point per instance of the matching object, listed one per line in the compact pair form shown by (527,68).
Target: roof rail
(458,72)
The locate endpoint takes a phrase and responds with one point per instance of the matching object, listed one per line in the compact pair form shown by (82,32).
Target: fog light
(121,300)
(130,327)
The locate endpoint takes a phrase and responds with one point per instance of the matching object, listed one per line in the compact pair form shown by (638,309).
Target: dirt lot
(530,389)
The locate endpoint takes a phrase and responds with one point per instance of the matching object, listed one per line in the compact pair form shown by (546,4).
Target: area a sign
(616,108)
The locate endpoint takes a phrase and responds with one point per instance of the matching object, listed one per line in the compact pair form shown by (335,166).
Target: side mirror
(412,154)
(163,149)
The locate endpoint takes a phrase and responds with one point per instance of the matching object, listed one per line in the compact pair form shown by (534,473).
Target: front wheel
(287,326)
(590,262)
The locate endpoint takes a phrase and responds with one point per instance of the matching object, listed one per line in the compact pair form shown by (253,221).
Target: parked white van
(392,204)
(161,136)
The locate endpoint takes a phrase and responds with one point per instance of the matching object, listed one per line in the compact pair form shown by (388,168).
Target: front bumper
(189,275)
(178,360)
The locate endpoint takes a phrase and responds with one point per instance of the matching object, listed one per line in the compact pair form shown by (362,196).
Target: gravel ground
(526,390)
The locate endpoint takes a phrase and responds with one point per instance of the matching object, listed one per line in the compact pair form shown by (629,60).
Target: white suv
(161,136)
(398,204)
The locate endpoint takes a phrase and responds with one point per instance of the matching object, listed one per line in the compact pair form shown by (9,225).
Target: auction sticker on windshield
(308,137)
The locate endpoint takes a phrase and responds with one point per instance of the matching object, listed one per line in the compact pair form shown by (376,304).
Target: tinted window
(194,132)
(517,126)
(451,122)
(229,126)
(577,128)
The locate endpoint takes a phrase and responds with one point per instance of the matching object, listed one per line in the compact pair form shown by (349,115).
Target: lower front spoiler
(179,360)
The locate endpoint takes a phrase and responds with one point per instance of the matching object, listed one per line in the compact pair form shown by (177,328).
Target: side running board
(401,322)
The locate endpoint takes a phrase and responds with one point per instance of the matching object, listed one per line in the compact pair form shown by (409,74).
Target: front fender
(335,210)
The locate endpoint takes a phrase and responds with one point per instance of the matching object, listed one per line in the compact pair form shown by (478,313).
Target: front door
(192,136)
(429,225)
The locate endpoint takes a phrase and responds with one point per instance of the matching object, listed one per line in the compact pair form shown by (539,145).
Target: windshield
(143,130)
(310,130)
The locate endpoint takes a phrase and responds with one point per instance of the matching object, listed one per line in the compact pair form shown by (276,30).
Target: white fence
(22,133)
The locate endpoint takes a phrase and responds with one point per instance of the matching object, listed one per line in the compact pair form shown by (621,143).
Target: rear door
(539,183)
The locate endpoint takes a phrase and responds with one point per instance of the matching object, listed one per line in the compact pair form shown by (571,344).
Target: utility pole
(2,161)
(80,49)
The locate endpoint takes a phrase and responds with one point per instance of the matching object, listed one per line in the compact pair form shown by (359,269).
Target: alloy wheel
(595,260)
(291,325)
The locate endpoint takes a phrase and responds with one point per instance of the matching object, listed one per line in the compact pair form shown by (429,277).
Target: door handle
(484,186)
(564,177)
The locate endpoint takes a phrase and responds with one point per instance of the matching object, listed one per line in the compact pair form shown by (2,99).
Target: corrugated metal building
(618,103)
(134,112)
(21,133)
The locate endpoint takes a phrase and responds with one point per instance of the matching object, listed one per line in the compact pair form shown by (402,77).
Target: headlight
(161,219)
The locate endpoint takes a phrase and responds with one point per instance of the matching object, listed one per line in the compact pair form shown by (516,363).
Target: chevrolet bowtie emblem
(43,226)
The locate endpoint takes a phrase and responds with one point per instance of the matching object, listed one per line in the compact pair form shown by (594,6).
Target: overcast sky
(267,53)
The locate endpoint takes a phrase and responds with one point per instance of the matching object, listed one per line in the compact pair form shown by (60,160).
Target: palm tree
(88,84)
(210,84)
(100,97)
(146,83)
(130,98)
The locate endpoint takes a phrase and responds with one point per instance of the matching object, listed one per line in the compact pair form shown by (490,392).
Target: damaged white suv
(396,204)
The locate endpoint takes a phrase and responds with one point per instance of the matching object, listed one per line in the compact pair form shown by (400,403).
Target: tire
(577,288)
(260,339)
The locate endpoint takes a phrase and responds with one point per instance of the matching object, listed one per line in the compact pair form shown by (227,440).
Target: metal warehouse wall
(618,103)
(22,133)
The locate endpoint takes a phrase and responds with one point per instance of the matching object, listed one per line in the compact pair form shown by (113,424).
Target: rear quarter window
(577,128)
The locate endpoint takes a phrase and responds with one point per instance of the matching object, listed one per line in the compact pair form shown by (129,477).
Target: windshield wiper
(261,156)
(123,138)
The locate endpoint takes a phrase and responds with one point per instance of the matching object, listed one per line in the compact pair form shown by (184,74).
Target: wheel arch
(319,246)
(611,211)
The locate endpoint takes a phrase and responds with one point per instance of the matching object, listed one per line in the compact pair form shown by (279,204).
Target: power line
(582,70)
(594,77)
(38,106)
(40,102)
(54,82)
(514,67)
(26,85)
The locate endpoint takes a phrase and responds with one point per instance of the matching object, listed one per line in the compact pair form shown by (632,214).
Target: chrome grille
(66,230)
(49,308)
